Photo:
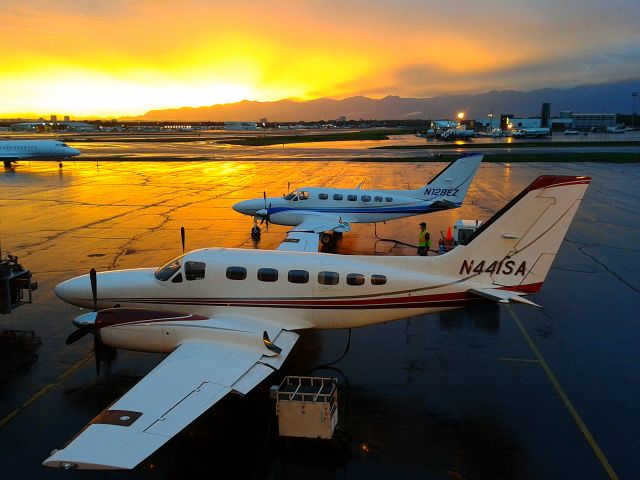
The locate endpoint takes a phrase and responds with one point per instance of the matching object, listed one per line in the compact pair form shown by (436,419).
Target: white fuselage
(254,290)
(11,150)
(369,290)
(352,205)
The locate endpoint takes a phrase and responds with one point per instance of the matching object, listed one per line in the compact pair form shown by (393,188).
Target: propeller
(182,236)
(93,277)
(87,324)
(264,213)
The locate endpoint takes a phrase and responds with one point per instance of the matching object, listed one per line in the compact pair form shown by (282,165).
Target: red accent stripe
(118,316)
(546,181)
(417,301)
(530,288)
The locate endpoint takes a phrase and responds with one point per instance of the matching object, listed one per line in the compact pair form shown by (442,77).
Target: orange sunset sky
(116,57)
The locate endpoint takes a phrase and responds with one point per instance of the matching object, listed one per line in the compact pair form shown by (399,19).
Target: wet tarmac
(491,392)
(210,146)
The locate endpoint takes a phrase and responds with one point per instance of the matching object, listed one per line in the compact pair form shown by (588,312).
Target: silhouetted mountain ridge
(609,98)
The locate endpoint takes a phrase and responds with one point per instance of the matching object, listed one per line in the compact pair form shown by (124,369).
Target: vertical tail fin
(452,183)
(515,248)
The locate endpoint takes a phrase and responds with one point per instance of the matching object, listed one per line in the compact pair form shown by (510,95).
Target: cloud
(271,49)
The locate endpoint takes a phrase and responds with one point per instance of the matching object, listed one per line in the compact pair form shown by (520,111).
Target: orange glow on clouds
(122,57)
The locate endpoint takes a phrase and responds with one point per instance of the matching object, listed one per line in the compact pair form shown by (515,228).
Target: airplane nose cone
(248,207)
(75,151)
(76,291)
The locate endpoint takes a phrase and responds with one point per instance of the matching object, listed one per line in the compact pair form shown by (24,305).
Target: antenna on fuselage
(182,237)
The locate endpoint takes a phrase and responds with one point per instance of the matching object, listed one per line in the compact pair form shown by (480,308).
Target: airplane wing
(304,237)
(321,222)
(501,296)
(184,385)
(300,242)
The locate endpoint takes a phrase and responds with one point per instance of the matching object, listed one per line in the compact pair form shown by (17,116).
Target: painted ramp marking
(565,399)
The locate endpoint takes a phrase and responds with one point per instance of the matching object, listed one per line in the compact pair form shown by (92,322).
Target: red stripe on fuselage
(416,301)
(120,316)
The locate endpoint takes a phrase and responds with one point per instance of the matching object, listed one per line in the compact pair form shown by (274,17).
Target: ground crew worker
(424,242)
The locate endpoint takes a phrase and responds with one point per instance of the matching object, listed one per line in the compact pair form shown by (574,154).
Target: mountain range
(607,98)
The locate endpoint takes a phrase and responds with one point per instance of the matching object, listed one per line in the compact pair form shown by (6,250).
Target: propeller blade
(264,195)
(97,351)
(79,333)
(268,217)
(94,287)
(182,236)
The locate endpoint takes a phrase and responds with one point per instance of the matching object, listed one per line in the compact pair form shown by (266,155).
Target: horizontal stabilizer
(502,296)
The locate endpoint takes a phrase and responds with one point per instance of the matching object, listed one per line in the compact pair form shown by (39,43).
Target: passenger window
(298,276)
(236,273)
(328,278)
(378,279)
(194,270)
(355,279)
(323,196)
(337,196)
(389,199)
(378,199)
(267,274)
(352,198)
(365,198)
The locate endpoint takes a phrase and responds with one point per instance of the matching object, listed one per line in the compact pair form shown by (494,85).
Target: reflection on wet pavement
(452,395)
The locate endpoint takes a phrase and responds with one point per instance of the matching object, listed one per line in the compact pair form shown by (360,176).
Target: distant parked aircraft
(318,210)
(14,150)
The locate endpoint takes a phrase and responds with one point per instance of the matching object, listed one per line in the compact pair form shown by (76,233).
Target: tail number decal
(443,192)
(499,268)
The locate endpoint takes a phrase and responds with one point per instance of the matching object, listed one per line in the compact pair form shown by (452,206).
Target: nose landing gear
(255,230)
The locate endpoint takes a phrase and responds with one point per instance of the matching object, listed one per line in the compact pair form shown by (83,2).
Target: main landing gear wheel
(7,164)
(60,165)
(255,231)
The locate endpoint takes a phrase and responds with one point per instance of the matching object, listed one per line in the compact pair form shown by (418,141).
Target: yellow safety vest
(423,238)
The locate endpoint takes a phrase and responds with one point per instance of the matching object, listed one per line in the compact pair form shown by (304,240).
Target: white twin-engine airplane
(14,150)
(227,317)
(319,210)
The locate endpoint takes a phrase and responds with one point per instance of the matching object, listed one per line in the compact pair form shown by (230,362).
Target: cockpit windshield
(290,195)
(166,272)
(296,195)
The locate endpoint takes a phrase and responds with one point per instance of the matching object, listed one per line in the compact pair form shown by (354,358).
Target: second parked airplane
(317,210)
(14,150)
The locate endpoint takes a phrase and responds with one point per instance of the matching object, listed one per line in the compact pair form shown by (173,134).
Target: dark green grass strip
(321,137)
(522,157)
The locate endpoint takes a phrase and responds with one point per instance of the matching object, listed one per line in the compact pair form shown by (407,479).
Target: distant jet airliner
(14,150)
(320,210)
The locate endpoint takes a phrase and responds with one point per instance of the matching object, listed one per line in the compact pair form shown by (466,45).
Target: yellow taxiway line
(565,399)
(43,391)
